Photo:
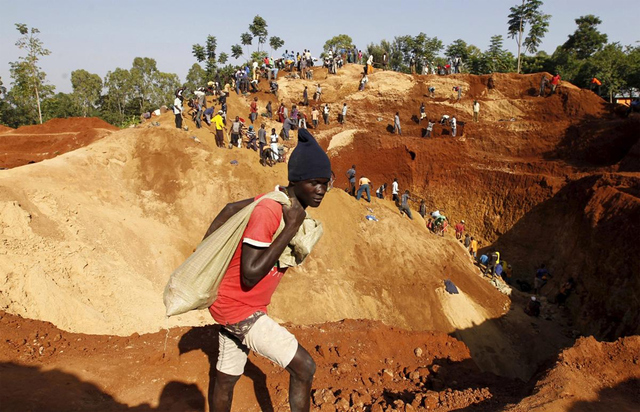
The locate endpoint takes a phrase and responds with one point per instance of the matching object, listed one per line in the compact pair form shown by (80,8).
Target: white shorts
(265,338)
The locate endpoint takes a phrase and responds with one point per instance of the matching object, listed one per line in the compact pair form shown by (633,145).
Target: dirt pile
(591,376)
(362,365)
(31,144)
(92,251)
(4,128)
(500,173)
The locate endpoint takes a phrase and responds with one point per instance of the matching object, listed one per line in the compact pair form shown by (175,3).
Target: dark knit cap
(308,160)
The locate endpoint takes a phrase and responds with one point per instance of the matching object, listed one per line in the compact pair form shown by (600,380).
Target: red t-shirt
(235,302)
(460,228)
(254,107)
(555,80)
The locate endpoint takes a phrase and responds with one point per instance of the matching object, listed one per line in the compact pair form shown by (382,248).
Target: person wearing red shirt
(253,107)
(459,229)
(254,274)
(555,80)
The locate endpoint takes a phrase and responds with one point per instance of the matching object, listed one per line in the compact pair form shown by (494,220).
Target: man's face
(311,192)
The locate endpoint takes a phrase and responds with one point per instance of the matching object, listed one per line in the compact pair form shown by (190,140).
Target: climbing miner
(394,191)
(541,278)
(476,110)
(494,259)
(544,82)
(254,274)
(404,204)
(351,176)
(555,81)
(396,124)
(365,187)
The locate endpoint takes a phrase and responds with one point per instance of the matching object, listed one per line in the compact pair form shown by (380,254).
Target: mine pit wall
(533,212)
(588,231)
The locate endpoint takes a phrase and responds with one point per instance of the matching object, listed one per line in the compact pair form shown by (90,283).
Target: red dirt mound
(4,128)
(591,376)
(31,144)
(361,365)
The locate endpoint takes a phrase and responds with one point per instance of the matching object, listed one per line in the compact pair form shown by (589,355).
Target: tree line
(123,94)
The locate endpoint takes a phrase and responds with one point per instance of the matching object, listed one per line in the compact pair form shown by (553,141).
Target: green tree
(60,105)
(275,43)
(540,62)
(528,13)
(377,50)
(258,56)
(632,78)
(474,60)
(86,89)
(207,54)
(35,49)
(24,102)
(610,65)
(236,51)
(258,29)
(118,85)
(567,63)
(196,77)
(586,40)
(222,59)
(341,41)
(143,73)
(246,39)
(227,72)
(163,90)
(458,48)
(425,47)
(496,58)
(420,46)
(6,111)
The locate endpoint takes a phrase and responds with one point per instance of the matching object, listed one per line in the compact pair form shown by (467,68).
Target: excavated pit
(89,238)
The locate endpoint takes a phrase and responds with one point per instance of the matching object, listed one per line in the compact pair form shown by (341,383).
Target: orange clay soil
(361,366)
(31,144)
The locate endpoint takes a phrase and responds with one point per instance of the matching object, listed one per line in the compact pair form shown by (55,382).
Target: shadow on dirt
(447,384)
(585,232)
(205,338)
(622,398)
(29,388)
(598,142)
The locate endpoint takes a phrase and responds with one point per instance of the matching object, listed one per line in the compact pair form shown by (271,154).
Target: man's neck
(291,193)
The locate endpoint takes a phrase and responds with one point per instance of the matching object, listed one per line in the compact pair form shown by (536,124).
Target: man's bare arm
(257,262)
(229,210)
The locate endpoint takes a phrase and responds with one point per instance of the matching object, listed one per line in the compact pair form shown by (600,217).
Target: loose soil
(89,238)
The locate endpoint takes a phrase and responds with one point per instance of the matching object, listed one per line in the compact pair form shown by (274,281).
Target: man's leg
(223,391)
(367,190)
(301,370)
(277,344)
(232,358)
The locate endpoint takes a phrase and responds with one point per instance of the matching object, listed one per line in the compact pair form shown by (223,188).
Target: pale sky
(100,35)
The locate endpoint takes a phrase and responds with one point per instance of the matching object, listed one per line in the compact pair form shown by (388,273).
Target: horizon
(85,39)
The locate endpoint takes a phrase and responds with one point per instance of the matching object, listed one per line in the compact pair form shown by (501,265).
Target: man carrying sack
(255,272)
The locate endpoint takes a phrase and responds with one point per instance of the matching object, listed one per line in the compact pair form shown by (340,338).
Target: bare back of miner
(254,274)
